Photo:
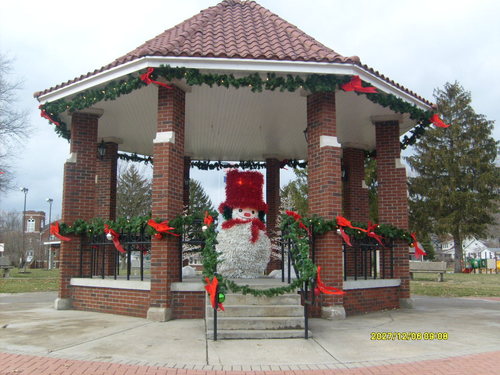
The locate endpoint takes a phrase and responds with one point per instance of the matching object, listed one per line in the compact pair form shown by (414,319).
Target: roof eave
(231,64)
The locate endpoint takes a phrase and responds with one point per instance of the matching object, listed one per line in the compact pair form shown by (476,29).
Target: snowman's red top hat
(244,190)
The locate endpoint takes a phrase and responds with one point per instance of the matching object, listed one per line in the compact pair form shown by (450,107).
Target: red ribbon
(146,78)
(211,289)
(436,120)
(370,232)
(298,219)
(355,85)
(418,250)
(322,288)
(208,220)
(343,222)
(256,226)
(116,238)
(162,227)
(345,236)
(54,230)
(45,115)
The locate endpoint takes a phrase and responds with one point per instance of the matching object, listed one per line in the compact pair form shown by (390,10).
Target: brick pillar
(355,197)
(106,198)
(78,196)
(392,195)
(273,205)
(185,191)
(325,192)
(167,198)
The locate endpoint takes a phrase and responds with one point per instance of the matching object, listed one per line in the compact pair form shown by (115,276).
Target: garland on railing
(193,77)
(293,227)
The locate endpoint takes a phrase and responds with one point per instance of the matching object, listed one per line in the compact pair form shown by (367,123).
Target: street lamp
(49,260)
(25,191)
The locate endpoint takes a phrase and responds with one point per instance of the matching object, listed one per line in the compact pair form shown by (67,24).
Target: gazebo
(234,82)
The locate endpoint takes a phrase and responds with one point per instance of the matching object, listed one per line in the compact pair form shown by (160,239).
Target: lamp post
(49,260)
(25,191)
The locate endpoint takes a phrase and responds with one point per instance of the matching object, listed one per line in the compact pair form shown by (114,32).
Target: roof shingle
(236,29)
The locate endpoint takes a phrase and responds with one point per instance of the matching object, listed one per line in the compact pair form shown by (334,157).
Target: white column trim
(165,137)
(398,163)
(72,157)
(326,141)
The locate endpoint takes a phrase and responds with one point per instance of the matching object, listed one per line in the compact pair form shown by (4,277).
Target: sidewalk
(36,339)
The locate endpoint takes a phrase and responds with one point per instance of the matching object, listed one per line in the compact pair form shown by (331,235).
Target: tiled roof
(237,29)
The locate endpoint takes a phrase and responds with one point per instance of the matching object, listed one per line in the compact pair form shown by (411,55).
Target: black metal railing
(288,262)
(100,258)
(192,241)
(368,259)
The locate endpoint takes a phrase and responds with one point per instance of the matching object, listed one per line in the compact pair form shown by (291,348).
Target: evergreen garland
(193,77)
(290,228)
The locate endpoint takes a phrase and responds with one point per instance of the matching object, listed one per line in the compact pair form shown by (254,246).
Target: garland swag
(293,227)
(193,77)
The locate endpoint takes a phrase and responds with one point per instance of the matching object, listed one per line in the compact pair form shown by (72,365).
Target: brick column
(106,198)
(392,195)
(185,191)
(78,196)
(325,192)
(355,197)
(167,198)
(273,204)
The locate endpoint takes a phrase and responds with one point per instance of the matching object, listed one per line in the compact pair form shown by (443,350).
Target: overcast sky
(421,44)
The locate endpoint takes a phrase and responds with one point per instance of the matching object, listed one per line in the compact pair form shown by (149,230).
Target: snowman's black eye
(253,212)
(240,210)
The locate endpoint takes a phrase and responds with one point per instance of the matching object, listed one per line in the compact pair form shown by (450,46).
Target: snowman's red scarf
(256,226)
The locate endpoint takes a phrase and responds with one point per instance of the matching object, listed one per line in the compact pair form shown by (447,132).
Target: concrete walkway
(35,336)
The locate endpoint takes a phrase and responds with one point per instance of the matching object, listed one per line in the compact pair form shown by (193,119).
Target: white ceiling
(237,124)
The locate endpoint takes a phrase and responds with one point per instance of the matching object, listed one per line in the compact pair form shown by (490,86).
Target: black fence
(368,259)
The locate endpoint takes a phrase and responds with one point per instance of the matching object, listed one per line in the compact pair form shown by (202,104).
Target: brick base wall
(111,301)
(357,301)
(188,305)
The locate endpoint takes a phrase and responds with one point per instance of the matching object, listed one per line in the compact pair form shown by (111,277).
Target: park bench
(5,266)
(428,267)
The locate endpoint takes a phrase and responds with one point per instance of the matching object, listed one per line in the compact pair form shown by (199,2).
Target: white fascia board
(236,65)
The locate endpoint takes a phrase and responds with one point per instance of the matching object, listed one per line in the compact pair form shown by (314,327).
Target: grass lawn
(456,285)
(34,280)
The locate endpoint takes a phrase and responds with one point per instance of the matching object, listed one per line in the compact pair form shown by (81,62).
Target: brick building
(330,129)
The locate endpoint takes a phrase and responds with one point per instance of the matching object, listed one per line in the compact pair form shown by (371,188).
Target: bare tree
(13,122)
(11,234)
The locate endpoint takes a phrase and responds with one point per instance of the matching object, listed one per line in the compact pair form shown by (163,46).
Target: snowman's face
(245,213)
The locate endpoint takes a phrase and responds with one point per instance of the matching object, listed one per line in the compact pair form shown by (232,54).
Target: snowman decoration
(243,245)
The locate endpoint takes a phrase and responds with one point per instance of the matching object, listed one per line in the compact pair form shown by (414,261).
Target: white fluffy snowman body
(240,256)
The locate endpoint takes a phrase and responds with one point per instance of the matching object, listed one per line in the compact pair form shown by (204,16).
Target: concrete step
(258,334)
(258,311)
(248,299)
(256,323)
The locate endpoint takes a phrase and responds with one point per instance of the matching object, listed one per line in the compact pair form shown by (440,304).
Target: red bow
(116,238)
(370,232)
(418,250)
(162,227)
(54,230)
(345,236)
(256,226)
(298,219)
(355,85)
(211,289)
(2,172)
(146,78)
(208,220)
(45,115)
(436,120)
(322,288)
(343,222)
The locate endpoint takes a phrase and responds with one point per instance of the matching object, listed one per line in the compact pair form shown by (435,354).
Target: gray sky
(420,44)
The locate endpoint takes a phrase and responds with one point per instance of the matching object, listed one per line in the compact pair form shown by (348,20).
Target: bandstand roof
(237,37)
